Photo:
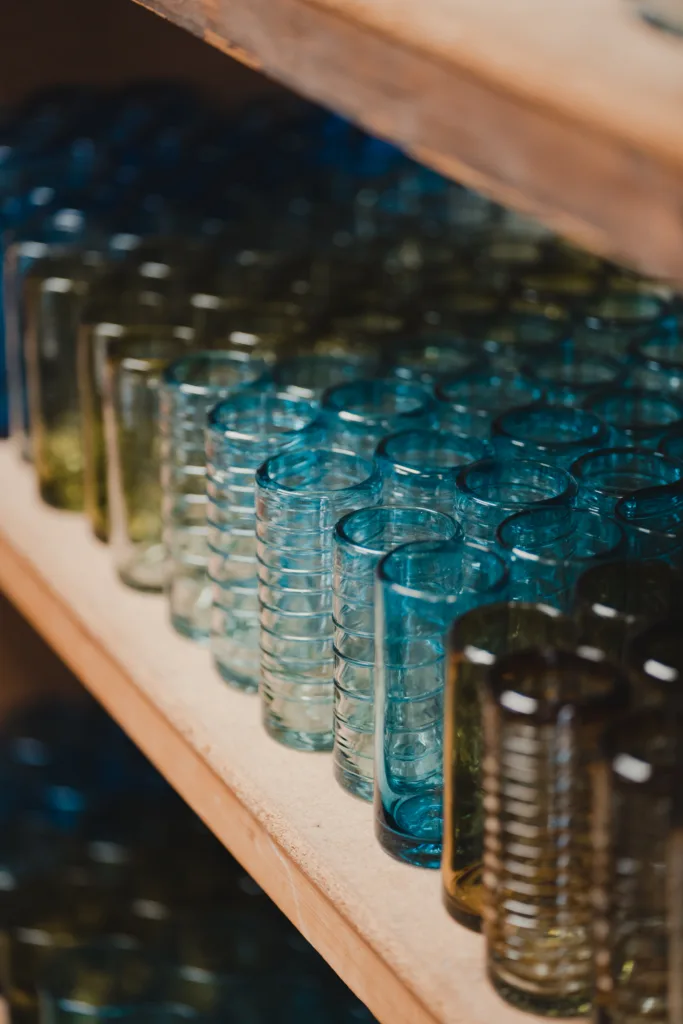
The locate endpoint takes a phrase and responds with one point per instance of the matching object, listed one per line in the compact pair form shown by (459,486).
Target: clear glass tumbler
(359,414)
(637,416)
(605,476)
(300,496)
(190,387)
(421,588)
(548,433)
(419,467)
(653,519)
(548,548)
(476,641)
(491,490)
(468,403)
(543,714)
(361,539)
(132,380)
(243,431)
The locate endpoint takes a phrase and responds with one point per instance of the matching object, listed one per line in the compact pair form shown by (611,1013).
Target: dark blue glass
(468,403)
(491,490)
(571,375)
(421,589)
(605,476)
(637,416)
(548,433)
(358,415)
(419,467)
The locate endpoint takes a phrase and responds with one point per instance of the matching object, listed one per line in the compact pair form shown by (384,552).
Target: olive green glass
(476,641)
(543,715)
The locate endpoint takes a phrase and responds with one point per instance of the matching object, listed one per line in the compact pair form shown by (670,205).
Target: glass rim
(251,396)
(345,540)
(500,429)
(483,377)
(453,546)
(401,388)
(452,440)
(633,567)
(534,557)
(500,608)
(658,398)
(233,358)
(266,481)
(626,451)
(568,491)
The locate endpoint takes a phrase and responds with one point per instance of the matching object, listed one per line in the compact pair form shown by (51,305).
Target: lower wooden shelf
(378,923)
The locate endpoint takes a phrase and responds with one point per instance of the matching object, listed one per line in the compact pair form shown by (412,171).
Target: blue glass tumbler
(300,496)
(517,337)
(191,386)
(427,355)
(653,519)
(421,589)
(361,539)
(309,375)
(489,491)
(419,467)
(547,548)
(672,444)
(658,362)
(572,375)
(468,403)
(243,431)
(358,415)
(611,323)
(606,475)
(548,433)
(637,416)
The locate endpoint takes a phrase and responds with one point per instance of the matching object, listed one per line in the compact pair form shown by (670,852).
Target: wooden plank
(570,111)
(378,923)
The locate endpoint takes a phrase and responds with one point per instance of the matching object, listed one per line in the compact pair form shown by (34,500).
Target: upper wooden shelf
(570,110)
(380,924)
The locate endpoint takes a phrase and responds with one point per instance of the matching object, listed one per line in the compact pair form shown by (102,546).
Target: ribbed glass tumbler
(132,380)
(489,491)
(359,414)
(547,549)
(606,475)
(548,433)
(653,519)
(655,661)
(637,416)
(361,539)
(311,374)
(477,640)
(543,714)
(243,431)
(191,386)
(421,588)
(300,496)
(573,375)
(468,403)
(419,467)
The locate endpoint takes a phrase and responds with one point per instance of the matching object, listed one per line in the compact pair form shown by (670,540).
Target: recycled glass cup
(610,324)
(653,519)
(359,414)
(419,467)
(310,375)
(543,714)
(476,641)
(636,868)
(548,548)
(604,476)
(658,362)
(671,444)
(361,539)
(547,433)
(489,491)
(517,337)
(132,381)
(572,375)
(637,416)
(655,660)
(429,354)
(243,431)
(190,387)
(421,589)
(300,496)
(468,403)
(617,600)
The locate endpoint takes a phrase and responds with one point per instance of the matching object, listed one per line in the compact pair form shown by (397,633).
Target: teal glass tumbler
(637,416)
(421,589)
(672,444)
(428,355)
(605,476)
(359,414)
(610,324)
(468,403)
(658,362)
(309,375)
(300,496)
(571,376)
(419,467)
(518,337)
(547,433)
(489,491)
(653,519)
(243,431)
(361,539)
(191,386)
(548,548)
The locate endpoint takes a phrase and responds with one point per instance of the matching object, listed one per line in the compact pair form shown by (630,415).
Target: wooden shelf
(378,923)
(568,109)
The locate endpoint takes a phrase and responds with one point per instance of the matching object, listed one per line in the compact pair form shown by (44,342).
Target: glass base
(189,629)
(421,852)
(460,911)
(62,494)
(543,1004)
(356,785)
(319,741)
(247,684)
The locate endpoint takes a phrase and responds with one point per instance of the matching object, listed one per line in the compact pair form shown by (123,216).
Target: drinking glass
(605,476)
(572,375)
(610,324)
(476,641)
(361,539)
(419,467)
(637,417)
(658,363)
(492,489)
(300,496)
(655,660)
(672,443)
(548,433)
(421,588)
(310,375)
(427,355)
(653,519)
(468,403)
(243,431)
(543,714)
(190,387)
(516,337)
(359,414)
